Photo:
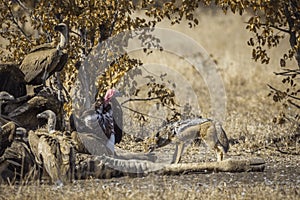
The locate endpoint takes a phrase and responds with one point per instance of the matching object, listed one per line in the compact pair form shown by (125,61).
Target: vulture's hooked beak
(41,115)
(6,97)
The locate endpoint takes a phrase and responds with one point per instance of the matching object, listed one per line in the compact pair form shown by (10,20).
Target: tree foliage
(93,21)
(269,23)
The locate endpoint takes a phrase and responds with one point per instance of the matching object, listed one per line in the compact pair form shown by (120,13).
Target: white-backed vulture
(27,110)
(26,113)
(17,163)
(50,116)
(53,150)
(5,96)
(13,104)
(45,59)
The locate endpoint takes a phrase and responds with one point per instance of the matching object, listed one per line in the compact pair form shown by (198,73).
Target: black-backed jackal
(211,132)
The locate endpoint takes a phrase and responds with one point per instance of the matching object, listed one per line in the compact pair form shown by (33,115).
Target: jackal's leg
(178,152)
(219,153)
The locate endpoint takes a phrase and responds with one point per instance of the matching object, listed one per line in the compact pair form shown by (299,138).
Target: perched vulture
(50,116)
(16,160)
(12,80)
(26,113)
(5,97)
(17,163)
(53,150)
(104,116)
(45,59)
(11,103)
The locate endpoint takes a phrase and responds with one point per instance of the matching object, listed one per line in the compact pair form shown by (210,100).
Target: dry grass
(248,123)
(155,187)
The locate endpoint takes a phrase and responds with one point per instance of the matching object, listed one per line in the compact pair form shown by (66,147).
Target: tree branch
(291,96)
(285,152)
(15,22)
(276,27)
(288,72)
(144,114)
(75,33)
(294,104)
(142,99)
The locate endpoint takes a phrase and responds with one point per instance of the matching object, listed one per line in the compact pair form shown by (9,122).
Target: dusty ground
(248,123)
